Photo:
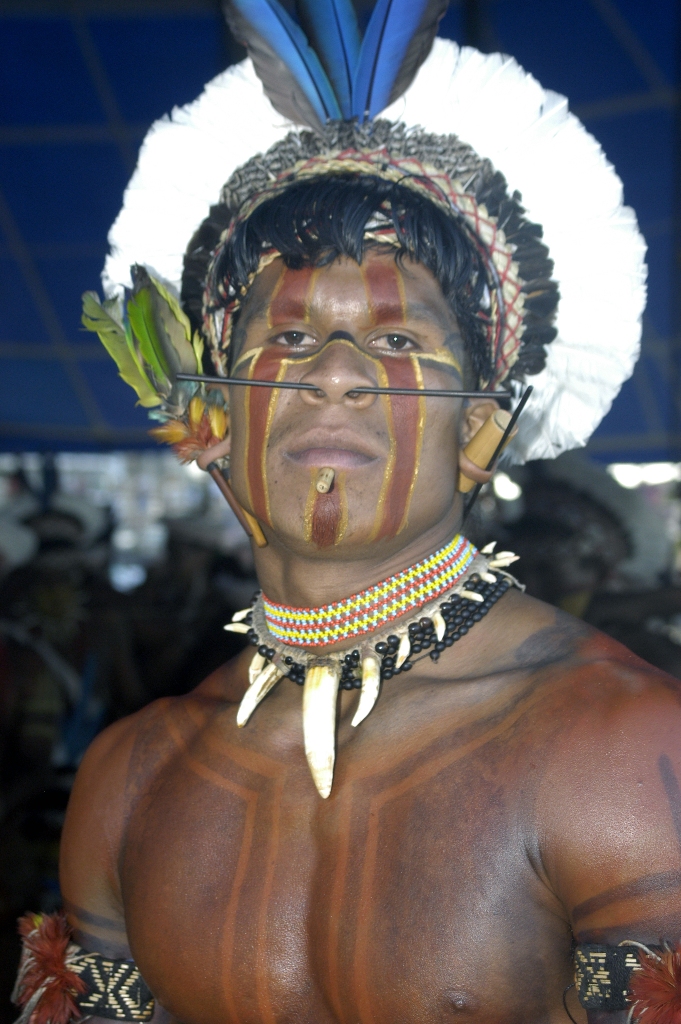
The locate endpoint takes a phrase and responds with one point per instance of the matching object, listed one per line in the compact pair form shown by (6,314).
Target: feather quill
(397,40)
(286,64)
(331,26)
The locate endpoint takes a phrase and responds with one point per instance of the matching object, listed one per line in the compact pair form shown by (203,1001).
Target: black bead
(262,651)
(449,640)
(425,623)
(477,617)
(357,684)
(407,665)
(388,662)
(270,652)
(381,648)
(463,630)
(415,648)
(288,660)
(458,619)
(393,640)
(455,636)
(387,673)
(434,655)
(440,645)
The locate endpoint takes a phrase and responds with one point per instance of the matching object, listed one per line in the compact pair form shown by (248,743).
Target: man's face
(395,457)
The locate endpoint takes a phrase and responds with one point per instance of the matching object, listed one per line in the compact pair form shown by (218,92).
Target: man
(431,848)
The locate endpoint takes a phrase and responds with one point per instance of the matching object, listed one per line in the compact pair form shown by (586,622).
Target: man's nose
(336,371)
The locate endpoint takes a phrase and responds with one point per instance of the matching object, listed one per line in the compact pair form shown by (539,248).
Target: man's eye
(294,339)
(394,342)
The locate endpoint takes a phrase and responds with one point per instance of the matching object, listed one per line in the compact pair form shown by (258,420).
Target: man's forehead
(387,291)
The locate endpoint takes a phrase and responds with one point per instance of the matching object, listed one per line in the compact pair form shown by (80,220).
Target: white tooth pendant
(256,667)
(320,694)
(371,684)
(240,616)
(488,548)
(471,595)
(439,623)
(488,577)
(236,627)
(259,688)
(403,651)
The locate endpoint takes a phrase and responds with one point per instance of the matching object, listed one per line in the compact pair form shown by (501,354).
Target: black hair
(313,221)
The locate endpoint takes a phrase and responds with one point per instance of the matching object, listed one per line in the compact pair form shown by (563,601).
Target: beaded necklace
(371,609)
(453,589)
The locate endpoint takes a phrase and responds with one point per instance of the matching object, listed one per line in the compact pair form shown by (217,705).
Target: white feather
(527,132)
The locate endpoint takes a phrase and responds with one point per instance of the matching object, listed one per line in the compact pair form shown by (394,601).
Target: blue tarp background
(81,82)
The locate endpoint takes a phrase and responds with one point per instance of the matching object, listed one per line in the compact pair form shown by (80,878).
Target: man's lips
(335,458)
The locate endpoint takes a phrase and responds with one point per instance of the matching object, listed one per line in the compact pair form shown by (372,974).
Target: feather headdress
(318,69)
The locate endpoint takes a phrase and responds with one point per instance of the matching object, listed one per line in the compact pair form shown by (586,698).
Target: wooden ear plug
(482,446)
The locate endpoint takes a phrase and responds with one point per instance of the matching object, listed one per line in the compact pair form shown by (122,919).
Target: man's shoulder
(587,676)
(134,748)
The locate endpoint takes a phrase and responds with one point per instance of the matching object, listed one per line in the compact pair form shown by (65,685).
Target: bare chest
(406,896)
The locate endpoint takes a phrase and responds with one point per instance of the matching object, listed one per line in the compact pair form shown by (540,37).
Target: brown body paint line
(290,301)
(406,417)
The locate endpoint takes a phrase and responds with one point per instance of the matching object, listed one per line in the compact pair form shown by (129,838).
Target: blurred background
(118,566)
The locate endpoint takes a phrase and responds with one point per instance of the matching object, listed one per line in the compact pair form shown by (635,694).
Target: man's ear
(475,413)
(218,451)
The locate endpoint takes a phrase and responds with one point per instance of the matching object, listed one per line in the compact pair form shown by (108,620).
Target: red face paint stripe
(326,518)
(260,400)
(385,292)
(290,300)
(407,417)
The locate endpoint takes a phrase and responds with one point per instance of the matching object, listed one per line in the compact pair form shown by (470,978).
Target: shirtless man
(514,787)
(517,794)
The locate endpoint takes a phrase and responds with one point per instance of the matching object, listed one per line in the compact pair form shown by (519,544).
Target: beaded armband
(643,980)
(59,982)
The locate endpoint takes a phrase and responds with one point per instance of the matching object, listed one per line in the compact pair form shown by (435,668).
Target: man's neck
(310,581)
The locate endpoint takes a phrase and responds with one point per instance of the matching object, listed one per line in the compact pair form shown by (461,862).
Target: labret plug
(324,481)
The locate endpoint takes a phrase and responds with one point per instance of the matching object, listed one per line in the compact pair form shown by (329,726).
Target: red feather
(655,988)
(46,940)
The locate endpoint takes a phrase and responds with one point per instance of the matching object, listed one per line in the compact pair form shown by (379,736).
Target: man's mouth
(335,458)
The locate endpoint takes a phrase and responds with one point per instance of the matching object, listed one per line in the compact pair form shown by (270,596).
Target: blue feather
(333,31)
(392,25)
(288,41)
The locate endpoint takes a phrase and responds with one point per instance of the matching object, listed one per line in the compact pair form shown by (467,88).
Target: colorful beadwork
(371,609)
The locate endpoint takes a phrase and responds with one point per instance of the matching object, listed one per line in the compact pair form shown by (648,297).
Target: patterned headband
(503,317)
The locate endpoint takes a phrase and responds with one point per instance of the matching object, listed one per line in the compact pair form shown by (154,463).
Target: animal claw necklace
(449,592)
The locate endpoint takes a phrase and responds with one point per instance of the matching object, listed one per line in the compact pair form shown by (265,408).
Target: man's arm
(92,838)
(610,808)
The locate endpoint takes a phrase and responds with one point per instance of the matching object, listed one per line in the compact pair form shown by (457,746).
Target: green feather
(141,315)
(100,319)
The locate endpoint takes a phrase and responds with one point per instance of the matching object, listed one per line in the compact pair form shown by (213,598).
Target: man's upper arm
(90,844)
(610,809)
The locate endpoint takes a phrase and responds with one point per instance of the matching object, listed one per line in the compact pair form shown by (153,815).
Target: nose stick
(325,479)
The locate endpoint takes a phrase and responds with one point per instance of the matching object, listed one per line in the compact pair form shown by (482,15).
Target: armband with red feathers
(59,982)
(645,980)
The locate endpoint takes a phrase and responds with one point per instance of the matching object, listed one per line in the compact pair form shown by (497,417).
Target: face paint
(326,515)
(260,404)
(406,418)
(289,301)
(405,415)
(291,297)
